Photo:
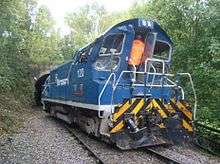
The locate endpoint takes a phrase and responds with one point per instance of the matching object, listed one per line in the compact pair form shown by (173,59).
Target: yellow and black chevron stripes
(122,109)
(138,107)
(117,127)
(185,111)
(135,106)
(118,116)
(156,103)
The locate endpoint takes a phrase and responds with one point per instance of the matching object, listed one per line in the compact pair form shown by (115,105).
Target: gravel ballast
(42,140)
(113,155)
(188,154)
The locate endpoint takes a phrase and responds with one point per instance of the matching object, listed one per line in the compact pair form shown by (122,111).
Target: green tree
(42,41)
(85,25)
(14,70)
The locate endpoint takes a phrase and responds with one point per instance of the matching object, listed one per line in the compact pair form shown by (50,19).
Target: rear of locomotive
(153,111)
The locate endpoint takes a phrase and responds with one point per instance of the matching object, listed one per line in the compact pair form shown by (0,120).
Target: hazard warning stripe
(174,106)
(145,107)
(158,107)
(149,106)
(160,111)
(186,122)
(169,108)
(119,126)
(135,106)
(132,106)
(138,107)
(163,107)
(184,110)
(122,109)
(186,104)
(187,126)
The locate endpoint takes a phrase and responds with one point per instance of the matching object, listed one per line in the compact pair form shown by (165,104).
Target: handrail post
(101,93)
(194,93)
(134,73)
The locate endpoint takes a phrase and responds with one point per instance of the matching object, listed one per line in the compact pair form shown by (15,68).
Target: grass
(12,113)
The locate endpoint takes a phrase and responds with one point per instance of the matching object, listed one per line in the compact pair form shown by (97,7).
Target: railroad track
(207,138)
(98,159)
(162,157)
(87,147)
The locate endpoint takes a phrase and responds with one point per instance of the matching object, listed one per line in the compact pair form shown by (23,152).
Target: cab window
(161,50)
(109,54)
(83,55)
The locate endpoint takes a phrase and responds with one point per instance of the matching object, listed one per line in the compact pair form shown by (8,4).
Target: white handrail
(182,92)
(103,89)
(155,60)
(150,73)
(115,84)
(194,93)
(134,73)
(154,85)
(46,85)
(155,71)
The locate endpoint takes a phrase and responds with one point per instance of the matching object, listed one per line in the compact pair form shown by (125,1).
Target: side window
(161,50)
(109,55)
(83,55)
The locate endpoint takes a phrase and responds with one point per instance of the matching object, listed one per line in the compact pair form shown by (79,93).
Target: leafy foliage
(28,45)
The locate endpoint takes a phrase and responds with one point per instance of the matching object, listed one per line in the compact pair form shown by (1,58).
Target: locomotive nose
(174,131)
(140,123)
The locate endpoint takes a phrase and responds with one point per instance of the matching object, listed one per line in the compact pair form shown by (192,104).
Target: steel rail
(207,145)
(204,140)
(86,146)
(162,157)
(155,153)
(199,124)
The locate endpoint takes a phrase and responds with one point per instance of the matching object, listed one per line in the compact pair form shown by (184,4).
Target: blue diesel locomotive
(107,94)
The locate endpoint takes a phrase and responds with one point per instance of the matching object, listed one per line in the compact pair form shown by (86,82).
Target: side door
(80,75)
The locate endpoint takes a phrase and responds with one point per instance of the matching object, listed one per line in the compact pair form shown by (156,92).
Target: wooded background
(29,44)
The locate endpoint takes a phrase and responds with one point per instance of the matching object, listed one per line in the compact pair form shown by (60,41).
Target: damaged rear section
(139,123)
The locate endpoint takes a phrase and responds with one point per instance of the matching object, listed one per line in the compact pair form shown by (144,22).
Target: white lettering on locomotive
(62,82)
(80,72)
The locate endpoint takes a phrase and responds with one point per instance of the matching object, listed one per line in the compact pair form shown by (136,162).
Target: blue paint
(79,81)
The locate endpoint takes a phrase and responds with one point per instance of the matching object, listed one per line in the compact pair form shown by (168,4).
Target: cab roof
(148,25)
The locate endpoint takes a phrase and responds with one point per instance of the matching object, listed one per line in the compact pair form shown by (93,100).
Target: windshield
(107,62)
(109,55)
